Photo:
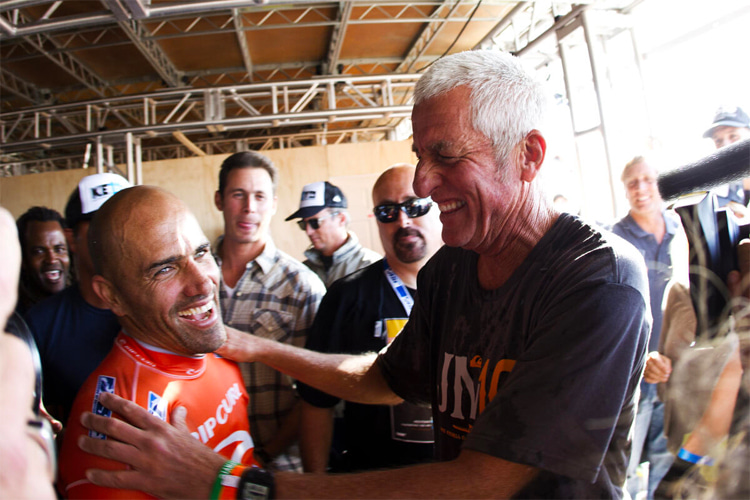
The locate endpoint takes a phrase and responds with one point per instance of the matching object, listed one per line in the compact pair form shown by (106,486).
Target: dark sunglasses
(314,223)
(416,207)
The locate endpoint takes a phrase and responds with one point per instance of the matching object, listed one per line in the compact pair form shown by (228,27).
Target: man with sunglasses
(362,313)
(335,251)
(527,337)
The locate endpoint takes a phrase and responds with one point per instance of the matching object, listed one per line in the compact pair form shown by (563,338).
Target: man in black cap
(335,251)
(73,329)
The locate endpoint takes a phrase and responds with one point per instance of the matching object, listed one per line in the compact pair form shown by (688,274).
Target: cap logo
(94,190)
(313,195)
(726,110)
(103,190)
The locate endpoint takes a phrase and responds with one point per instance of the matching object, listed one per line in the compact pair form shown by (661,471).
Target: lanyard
(398,287)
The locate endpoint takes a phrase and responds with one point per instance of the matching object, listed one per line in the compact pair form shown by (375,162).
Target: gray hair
(506,101)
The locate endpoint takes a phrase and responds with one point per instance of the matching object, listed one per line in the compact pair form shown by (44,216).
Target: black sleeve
(331,322)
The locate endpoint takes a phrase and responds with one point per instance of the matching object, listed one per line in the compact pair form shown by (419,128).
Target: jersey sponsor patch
(103,384)
(157,406)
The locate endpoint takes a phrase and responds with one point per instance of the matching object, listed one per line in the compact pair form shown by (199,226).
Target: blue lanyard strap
(398,287)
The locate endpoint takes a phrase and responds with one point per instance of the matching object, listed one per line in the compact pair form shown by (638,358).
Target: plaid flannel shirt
(277,298)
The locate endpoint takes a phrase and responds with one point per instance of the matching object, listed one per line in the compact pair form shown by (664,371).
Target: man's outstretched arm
(354,378)
(167,461)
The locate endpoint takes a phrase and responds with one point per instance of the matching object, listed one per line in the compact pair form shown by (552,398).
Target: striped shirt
(277,298)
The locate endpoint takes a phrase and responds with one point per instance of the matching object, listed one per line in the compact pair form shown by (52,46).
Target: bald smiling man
(155,271)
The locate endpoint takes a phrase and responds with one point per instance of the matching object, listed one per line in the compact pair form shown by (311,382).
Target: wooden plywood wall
(352,167)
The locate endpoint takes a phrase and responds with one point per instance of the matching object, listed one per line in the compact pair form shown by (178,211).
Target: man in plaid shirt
(264,292)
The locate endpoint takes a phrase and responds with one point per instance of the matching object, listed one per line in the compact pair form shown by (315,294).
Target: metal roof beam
(253,106)
(242,42)
(501,26)
(429,33)
(152,52)
(408,14)
(19,87)
(70,65)
(337,38)
(223,145)
(149,48)
(17,4)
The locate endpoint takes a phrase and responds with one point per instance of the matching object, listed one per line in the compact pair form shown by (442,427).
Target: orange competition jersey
(210,387)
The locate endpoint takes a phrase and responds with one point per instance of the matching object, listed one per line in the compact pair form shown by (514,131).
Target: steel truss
(215,16)
(322,102)
(289,113)
(210,147)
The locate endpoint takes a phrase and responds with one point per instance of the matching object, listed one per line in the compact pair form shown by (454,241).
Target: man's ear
(219,201)
(107,292)
(344,218)
(533,148)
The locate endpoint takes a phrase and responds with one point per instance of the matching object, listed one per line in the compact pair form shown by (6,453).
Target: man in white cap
(335,251)
(73,329)
(730,125)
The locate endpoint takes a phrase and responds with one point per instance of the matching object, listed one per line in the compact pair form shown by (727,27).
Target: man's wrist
(227,480)
(256,484)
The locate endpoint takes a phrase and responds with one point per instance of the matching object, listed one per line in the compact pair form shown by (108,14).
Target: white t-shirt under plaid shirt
(276,298)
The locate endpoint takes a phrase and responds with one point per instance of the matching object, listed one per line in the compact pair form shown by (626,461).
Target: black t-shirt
(355,317)
(541,371)
(73,338)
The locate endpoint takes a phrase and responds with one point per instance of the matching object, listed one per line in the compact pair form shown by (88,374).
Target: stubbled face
(458,169)
(167,282)
(248,204)
(45,258)
(724,136)
(331,232)
(641,189)
(407,240)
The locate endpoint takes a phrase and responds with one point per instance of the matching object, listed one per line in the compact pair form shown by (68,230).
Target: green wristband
(225,469)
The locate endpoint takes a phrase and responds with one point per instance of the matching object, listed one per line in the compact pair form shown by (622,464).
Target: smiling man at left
(154,269)
(45,261)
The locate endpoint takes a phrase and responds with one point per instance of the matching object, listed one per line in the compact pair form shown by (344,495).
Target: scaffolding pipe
(129,157)
(502,25)
(598,85)
(570,16)
(110,156)
(300,117)
(99,155)
(138,162)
